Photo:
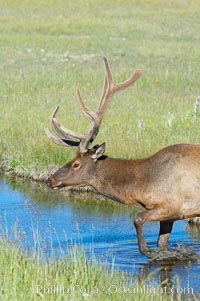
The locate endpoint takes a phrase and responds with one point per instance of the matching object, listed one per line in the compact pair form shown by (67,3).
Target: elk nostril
(48,183)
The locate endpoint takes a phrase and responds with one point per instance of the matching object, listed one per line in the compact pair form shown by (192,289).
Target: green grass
(49,48)
(29,276)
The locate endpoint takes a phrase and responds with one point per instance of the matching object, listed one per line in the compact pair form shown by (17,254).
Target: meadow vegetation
(31,276)
(49,48)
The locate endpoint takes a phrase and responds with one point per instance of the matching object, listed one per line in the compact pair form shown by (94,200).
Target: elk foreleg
(144,249)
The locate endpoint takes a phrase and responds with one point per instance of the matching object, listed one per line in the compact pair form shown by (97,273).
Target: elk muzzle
(52,183)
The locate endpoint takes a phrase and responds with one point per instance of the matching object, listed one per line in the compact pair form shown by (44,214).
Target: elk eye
(76,165)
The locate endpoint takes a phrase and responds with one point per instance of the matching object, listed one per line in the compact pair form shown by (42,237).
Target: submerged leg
(164,234)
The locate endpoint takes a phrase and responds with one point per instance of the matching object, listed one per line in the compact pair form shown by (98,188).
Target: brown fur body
(171,177)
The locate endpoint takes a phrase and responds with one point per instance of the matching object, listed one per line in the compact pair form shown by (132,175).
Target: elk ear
(98,151)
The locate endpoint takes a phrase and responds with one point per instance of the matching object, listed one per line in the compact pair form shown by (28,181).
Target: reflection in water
(103,228)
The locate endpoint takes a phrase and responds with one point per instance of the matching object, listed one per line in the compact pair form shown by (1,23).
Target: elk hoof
(147,251)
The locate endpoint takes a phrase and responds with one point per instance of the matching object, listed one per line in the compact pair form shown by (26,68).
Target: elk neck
(120,179)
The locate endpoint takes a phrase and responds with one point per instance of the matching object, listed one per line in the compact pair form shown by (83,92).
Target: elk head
(81,169)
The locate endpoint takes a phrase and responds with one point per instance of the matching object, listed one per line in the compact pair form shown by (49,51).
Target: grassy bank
(29,276)
(48,49)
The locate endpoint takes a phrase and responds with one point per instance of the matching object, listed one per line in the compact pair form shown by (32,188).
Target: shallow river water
(104,229)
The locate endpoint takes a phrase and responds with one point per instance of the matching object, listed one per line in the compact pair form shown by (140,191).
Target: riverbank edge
(35,174)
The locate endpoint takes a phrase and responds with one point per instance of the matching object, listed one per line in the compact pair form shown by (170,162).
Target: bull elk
(166,184)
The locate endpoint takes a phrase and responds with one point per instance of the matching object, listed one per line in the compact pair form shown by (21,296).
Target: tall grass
(31,276)
(49,48)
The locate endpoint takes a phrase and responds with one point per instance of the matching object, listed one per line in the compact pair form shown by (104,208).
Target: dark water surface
(103,228)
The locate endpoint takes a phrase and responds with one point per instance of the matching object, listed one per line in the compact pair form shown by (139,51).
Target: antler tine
(65,137)
(105,87)
(110,88)
(109,77)
(54,139)
(107,80)
(127,83)
(88,113)
(61,131)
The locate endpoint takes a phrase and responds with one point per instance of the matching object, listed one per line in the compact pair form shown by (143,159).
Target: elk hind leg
(164,234)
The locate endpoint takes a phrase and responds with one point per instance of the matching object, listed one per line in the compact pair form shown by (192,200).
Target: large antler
(67,137)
